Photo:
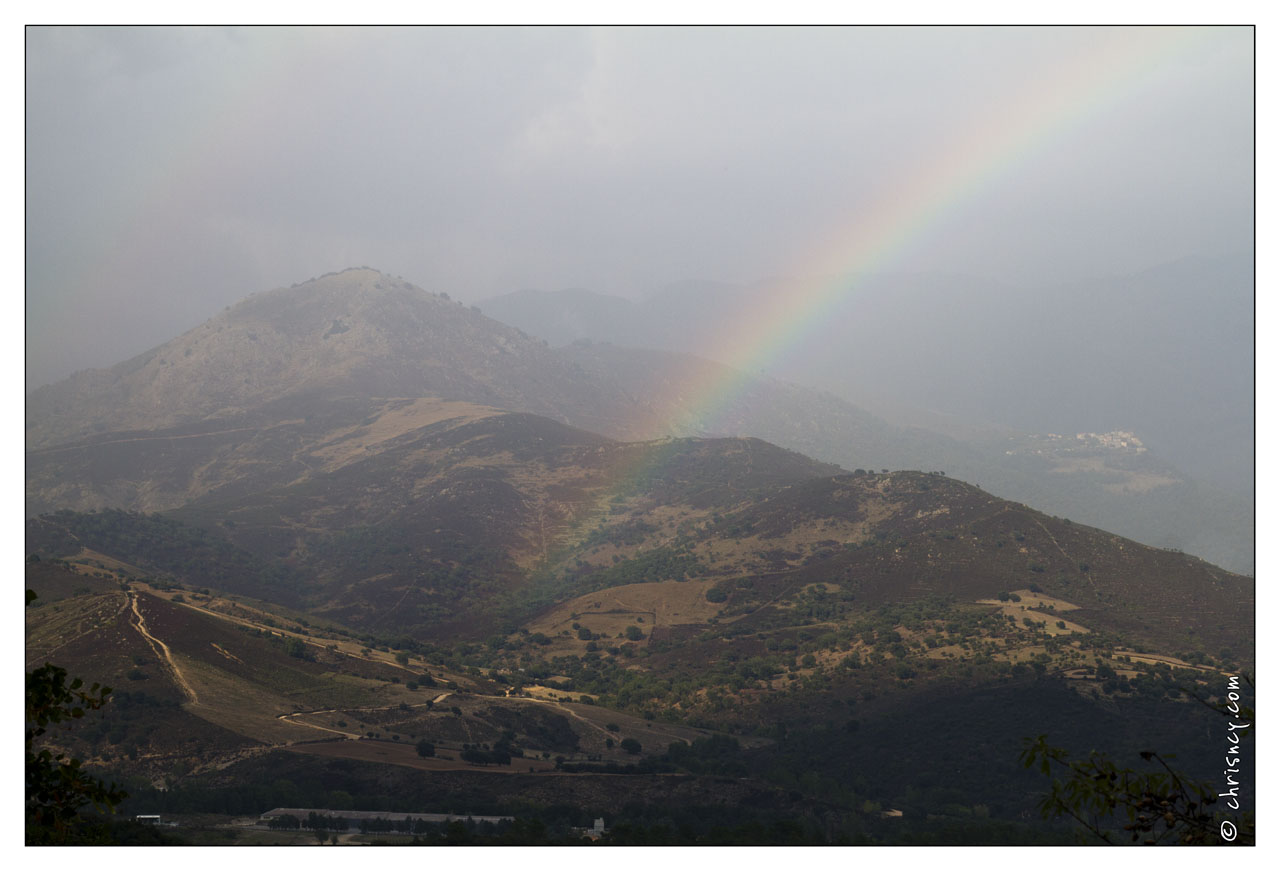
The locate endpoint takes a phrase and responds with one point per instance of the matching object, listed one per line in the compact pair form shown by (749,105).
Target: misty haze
(624,436)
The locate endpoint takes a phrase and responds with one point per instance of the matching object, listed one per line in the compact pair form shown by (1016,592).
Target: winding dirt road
(286,633)
(161,649)
(289,718)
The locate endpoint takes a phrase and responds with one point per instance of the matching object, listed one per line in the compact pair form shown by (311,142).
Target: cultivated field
(1039,607)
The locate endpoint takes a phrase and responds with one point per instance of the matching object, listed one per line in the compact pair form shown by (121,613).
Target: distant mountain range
(350,516)
(1166,354)
(361,333)
(344,407)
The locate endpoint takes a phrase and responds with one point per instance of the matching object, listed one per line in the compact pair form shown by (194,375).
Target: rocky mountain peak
(358,330)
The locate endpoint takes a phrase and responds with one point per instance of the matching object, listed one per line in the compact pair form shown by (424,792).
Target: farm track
(289,718)
(1087,576)
(636,609)
(295,718)
(226,653)
(164,653)
(1156,658)
(601,729)
(568,711)
(161,649)
(124,605)
(242,621)
(198,435)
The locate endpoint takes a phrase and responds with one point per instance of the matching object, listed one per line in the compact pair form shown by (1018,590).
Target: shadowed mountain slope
(306,365)
(974,376)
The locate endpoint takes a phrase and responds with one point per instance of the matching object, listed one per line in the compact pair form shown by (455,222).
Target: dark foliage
(57,787)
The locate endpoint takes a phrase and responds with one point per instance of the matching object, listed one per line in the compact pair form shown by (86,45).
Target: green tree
(1157,806)
(57,788)
(426,748)
(297,648)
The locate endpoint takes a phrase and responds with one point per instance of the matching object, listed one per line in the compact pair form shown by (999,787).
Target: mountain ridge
(357,331)
(363,333)
(891,348)
(301,558)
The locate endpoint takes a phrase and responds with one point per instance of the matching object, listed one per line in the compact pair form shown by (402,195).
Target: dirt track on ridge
(161,649)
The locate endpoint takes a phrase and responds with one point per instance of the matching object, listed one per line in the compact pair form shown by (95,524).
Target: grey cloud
(171,172)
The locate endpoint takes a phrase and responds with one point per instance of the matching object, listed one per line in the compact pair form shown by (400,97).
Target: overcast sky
(173,172)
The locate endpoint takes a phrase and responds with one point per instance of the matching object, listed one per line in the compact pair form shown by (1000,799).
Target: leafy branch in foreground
(1159,806)
(56,786)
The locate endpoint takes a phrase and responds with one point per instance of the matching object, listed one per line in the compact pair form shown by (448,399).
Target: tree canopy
(57,787)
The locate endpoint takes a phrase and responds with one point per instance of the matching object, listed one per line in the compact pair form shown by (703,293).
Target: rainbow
(921,201)
(880,232)
(903,216)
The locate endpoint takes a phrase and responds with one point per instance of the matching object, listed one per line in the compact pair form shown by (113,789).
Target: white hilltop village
(1116,441)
